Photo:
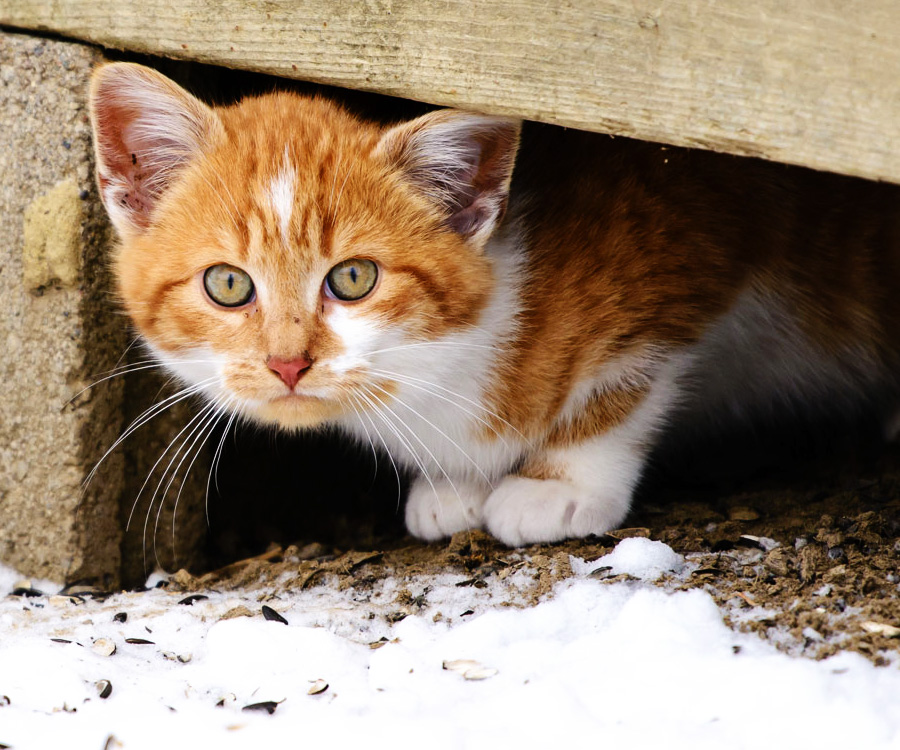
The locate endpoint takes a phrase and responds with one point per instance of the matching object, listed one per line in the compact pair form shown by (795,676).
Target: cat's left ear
(147,129)
(462,162)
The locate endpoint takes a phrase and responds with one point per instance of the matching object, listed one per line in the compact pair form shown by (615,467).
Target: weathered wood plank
(812,82)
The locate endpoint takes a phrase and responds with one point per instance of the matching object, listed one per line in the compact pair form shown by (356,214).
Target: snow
(641,558)
(622,664)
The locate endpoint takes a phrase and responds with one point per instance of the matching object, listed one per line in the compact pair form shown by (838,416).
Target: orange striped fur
(547,302)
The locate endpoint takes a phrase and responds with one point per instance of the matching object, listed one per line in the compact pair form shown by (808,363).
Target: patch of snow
(639,557)
(628,663)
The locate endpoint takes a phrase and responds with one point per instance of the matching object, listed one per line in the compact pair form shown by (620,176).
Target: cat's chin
(296,412)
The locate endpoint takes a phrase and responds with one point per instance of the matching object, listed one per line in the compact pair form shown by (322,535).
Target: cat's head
(269,250)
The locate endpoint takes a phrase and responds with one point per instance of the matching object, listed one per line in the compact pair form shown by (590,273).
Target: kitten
(521,337)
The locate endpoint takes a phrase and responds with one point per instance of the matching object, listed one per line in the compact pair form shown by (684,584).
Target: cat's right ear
(146,129)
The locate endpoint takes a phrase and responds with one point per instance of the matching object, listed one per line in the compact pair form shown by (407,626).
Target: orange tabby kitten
(519,337)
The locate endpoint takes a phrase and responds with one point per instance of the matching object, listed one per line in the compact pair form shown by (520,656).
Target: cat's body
(521,348)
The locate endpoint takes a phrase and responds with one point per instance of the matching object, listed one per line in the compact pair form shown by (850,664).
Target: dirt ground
(805,557)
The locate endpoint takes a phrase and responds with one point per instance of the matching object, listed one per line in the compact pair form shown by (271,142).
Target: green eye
(228,286)
(352,279)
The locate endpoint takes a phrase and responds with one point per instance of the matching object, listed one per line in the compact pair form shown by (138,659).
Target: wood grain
(812,82)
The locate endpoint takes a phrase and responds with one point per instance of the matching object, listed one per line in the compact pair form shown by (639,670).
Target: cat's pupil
(230,281)
(353,274)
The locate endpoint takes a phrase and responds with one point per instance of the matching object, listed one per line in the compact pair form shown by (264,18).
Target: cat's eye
(352,279)
(228,286)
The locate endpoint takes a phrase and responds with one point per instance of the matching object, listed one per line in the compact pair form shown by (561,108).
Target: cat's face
(279,252)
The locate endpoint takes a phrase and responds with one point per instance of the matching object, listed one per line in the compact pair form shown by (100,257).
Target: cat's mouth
(297,410)
(295,398)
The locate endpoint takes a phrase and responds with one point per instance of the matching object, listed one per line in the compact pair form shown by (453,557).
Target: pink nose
(289,370)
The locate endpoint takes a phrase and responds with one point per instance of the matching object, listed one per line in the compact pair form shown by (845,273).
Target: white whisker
(373,401)
(146,416)
(427,387)
(413,435)
(213,468)
(205,433)
(158,461)
(360,412)
(431,424)
(200,420)
(127,369)
(421,344)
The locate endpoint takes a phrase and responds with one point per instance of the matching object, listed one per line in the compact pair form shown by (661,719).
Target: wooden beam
(811,82)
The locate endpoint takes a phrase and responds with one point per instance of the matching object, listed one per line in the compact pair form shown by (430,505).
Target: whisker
(146,416)
(368,437)
(421,344)
(334,181)
(200,419)
(413,435)
(440,431)
(128,369)
(158,461)
(227,192)
(389,374)
(337,205)
(213,469)
(206,432)
(360,413)
(371,398)
(422,386)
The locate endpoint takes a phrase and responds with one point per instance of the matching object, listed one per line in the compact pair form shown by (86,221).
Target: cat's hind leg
(437,508)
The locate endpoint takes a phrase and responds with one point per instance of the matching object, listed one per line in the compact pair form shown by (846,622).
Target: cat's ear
(462,162)
(146,128)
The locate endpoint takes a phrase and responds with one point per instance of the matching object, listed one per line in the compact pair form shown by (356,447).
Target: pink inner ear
(145,128)
(119,169)
(463,162)
(468,220)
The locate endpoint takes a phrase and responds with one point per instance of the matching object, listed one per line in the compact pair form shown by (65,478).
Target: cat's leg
(436,508)
(580,483)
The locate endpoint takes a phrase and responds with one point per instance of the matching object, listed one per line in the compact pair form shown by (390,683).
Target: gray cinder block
(59,329)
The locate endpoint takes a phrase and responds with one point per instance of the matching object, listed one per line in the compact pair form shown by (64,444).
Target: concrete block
(60,329)
(57,325)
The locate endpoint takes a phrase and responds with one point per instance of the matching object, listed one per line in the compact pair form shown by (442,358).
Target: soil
(805,557)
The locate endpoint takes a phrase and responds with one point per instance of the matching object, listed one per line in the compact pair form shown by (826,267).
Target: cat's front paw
(527,511)
(438,509)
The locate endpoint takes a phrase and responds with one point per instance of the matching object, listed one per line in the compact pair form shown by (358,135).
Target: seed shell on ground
(319,686)
(267,706)
(104,647)
(189,600)
(273,616)
(480,673)
(104,688)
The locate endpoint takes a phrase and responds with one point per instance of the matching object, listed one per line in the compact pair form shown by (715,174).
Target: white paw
(434,512)
(526,511)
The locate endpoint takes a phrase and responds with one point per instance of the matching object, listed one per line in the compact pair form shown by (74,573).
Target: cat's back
(770,279)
